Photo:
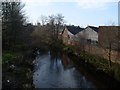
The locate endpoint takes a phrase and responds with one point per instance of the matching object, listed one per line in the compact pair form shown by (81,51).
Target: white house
(69,33)
(89,34)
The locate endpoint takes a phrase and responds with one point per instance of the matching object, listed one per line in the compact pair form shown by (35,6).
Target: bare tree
(44,19)
(51,22)
(59,23)
(55,22)
(41,37)
(48,31)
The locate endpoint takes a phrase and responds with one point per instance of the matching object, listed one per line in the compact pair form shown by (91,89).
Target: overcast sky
(77,12)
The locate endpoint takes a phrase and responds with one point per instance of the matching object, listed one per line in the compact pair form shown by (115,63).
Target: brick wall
(115,55)
(108,35)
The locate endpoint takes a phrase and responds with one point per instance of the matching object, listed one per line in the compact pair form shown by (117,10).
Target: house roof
(96,29)
(74,29)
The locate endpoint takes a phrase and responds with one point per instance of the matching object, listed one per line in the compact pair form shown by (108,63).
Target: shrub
(8,57)
(117,72)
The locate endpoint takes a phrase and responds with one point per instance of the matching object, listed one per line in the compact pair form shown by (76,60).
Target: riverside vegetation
(98,62)
(17,69)
(18,56)
(95,65)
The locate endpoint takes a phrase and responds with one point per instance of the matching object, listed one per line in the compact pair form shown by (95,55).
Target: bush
(8,57)
(117,72)
(56,45)
(21,47)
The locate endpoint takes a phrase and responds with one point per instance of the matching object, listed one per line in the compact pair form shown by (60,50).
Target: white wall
(89,33)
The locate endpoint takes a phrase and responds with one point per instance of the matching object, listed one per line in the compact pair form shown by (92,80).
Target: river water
(58,72)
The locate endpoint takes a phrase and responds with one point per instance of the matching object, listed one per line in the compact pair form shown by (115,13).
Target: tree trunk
(110,63)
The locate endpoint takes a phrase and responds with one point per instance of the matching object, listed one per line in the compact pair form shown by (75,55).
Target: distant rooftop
(74,29)
(94,28)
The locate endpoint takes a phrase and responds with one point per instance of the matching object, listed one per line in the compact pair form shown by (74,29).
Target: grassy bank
(95,65)
(17,69)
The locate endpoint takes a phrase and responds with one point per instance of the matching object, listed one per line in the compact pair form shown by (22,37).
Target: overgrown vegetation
(116,68)
(18,44)
(16,60)
(47,33)
(17,65)
(99,64)
(8,57)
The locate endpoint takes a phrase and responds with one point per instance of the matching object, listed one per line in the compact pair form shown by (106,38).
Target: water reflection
(57,71)
(66,62)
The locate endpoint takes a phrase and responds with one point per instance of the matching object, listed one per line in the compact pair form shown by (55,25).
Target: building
(90,34)
(109,37)
(69,35)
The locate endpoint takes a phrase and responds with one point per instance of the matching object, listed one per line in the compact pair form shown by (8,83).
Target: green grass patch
(8,56)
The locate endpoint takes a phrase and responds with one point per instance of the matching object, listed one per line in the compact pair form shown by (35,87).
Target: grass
(8,57)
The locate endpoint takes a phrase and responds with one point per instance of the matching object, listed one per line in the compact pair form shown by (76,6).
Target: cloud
(81,3)
(37,2)
(94,3)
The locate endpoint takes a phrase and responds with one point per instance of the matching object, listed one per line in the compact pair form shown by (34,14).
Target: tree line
(13,26)
(48,30)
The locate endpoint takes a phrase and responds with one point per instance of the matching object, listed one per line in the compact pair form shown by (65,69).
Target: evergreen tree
(12,24)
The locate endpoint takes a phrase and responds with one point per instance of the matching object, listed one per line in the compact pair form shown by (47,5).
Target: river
(58,72)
